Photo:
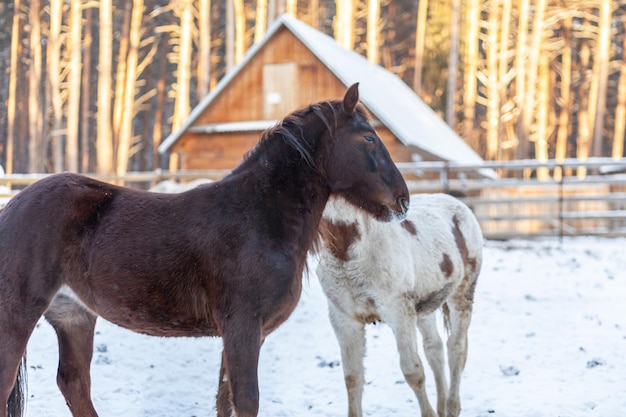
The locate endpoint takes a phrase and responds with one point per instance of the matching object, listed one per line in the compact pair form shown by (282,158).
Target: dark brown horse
(225,259)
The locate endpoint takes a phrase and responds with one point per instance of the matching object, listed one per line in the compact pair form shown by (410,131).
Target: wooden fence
(511,204)
(517,204)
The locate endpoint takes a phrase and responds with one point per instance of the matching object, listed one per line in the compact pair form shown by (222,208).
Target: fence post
(445,177)
(561,198)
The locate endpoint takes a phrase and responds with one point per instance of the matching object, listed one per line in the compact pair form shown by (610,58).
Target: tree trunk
(617,150)
(508,141)
(16,29)
(160,104)
(104,138)
(566,81)
(420,41)
(85,124)
(521,64)
(240,30)
(344,23)
(73,91)
(314,13)
(373,31)
(453,63)
(543,109)
(181,106)
(204,49)
(601,76)
(120,78)
(492,84)
(584,130)
(35,109)
(126,131)
(53,60)
(533,68)
(291,7)
(272,11)
(470,69)
(261,20)
(230,35)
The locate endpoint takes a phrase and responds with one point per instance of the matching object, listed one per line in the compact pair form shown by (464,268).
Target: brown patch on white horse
(402,279)
(462,245)
(338,237)
(446,265)
(409,226)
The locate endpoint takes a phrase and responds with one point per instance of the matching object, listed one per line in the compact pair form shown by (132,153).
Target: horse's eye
(368,138)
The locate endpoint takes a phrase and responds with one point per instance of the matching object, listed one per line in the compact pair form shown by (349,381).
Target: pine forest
(96,85)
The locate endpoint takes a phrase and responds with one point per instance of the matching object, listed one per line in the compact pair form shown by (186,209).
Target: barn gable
(293,66)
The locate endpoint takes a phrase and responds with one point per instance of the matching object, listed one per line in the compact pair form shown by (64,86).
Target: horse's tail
(445,309)
(17,399)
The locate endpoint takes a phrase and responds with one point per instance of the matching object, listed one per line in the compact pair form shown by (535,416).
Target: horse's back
(435,211)
(436,246)
(56,207)
(58,196)
(445,226)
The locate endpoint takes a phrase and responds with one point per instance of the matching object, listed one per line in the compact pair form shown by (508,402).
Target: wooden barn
(292,67)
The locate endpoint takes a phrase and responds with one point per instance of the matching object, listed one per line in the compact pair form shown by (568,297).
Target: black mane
(291,129)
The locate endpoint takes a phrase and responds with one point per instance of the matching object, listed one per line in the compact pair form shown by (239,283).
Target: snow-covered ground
(548,339)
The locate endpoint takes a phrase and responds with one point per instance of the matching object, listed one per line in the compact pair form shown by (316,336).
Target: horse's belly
(360,303)
(163,325)
(165,318)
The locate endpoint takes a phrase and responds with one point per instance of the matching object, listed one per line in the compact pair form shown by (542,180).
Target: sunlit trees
(617,149)
(97,84)
(104,143)
(344,23)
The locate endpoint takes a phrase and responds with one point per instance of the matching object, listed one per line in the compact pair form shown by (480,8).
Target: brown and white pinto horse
(224,259)
(400,273)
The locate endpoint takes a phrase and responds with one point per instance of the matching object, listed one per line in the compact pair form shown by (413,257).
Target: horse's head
(359,167)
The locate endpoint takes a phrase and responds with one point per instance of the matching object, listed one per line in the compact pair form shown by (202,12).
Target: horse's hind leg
(12,388)
(460,315)
(17,321)
(351,337)
(74,326)
(433,347)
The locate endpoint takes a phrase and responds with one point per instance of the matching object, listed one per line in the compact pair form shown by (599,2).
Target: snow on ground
(548,339)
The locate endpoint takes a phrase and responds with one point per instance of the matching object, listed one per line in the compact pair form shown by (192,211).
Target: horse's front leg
(351,337)
(239,374)
(403,323)
(433,347)
(224,404)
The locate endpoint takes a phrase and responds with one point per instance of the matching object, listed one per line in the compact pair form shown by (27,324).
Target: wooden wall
(308,81)
(216,151)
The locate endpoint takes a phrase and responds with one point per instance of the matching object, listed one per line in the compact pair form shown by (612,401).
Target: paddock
(548,337)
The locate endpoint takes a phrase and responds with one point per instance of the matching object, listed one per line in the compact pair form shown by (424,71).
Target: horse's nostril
(404,203)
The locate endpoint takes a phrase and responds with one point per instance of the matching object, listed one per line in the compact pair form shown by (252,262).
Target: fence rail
(510,204)
(517,204)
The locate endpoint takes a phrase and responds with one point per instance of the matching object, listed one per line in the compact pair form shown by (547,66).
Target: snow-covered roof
(387,97)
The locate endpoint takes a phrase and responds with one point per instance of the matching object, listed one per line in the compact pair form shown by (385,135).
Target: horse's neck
(339,210)
(295,189)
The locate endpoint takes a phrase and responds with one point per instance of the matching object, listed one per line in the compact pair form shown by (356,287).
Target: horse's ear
(351,98)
